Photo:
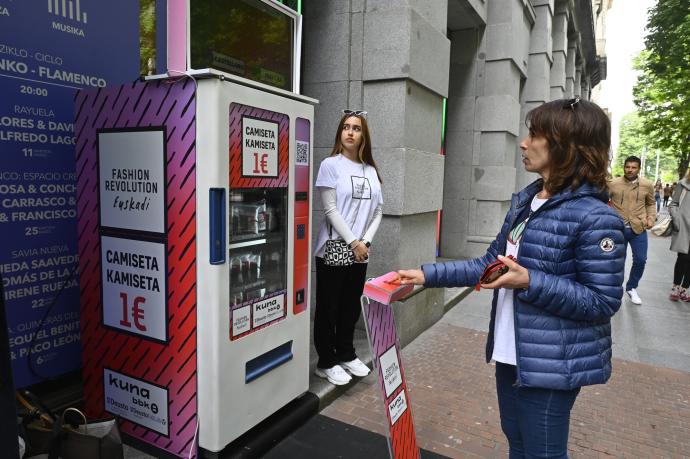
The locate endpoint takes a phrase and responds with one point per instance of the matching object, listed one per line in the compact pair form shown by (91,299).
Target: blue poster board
(48,50)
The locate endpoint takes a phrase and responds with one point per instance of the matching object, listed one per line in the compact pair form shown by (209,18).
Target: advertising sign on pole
(377,299)
(48,50)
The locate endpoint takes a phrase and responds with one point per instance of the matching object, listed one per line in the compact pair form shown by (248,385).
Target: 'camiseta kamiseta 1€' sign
(259,148)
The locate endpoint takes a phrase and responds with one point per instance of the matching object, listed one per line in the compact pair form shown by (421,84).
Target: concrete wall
(537,85)
(489,66)
(390,58)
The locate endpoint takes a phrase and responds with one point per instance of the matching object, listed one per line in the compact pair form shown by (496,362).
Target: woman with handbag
(349,185)
(550,329)
(679,209)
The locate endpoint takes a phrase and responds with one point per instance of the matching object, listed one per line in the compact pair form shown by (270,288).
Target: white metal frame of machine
(228,405)
(179,26)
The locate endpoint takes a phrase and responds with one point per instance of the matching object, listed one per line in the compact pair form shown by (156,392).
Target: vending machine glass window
(258,243)
(249,38)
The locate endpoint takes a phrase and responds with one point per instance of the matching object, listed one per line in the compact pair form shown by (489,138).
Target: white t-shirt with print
(504,325)
(358,193)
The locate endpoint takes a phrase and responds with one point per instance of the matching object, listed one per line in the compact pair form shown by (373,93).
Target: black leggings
(338,292)
(681,272)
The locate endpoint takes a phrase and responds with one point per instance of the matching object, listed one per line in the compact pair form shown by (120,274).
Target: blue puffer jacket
(574,249)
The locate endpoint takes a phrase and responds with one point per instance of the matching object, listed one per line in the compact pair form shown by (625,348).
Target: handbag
(99,440)
(45,433)
(663,227)
(666,228)
(337,252)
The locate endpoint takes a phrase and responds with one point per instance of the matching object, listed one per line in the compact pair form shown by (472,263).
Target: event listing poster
(48,50)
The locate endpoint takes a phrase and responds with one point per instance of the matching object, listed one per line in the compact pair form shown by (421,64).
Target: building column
(505,44)
(570,69)
(390,58)
(559,35)
(586,88)
(577,85)
(537,87)
(406,61)
(333,38)
(462,137)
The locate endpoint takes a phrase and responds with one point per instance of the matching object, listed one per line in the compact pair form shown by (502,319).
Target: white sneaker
(634,297)
(356,367)
(335,375)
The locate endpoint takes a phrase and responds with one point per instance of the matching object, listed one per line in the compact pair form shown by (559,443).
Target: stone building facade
(600,9)
(490,61)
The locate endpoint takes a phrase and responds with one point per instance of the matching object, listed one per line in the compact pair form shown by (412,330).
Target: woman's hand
(411,276)
(361,252)
(516,277)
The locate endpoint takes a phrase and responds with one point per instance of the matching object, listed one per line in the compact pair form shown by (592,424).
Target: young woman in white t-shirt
(349,187)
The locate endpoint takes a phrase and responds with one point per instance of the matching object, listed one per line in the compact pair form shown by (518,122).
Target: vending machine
(194,209)
(254,331)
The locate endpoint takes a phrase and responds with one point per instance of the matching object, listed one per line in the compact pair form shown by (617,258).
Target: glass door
(258,243)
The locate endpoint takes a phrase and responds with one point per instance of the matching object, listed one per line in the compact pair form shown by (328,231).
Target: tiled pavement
(643,412)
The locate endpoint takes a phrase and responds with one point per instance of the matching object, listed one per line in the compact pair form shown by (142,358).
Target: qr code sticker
(302,157)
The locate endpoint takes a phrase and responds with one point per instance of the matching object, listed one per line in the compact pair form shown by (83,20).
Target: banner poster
(136,147)
(385,350)
(48,50)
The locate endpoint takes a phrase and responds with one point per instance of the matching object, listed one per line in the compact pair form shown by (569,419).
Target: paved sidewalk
(643,412)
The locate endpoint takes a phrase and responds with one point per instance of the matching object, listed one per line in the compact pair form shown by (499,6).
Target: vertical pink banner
(177,36)
(385,349)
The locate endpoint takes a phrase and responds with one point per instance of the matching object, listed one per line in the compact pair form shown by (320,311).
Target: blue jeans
(657,198)
(535,421)
(638,244)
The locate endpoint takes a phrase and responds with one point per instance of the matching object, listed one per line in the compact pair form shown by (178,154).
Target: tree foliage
(147,36)
(662,92)
(634,141)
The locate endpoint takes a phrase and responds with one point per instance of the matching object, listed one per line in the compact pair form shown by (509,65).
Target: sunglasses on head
(347,111)
(571,103)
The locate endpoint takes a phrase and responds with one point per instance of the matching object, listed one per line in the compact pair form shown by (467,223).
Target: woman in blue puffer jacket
(550,330)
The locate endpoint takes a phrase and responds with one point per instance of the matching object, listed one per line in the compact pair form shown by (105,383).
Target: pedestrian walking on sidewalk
(633,198)
(667,194)
(550,329)
(679,209)
(658,189)
(349,185)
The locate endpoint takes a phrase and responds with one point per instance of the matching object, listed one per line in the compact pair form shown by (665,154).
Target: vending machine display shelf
(246,286)
(248,240)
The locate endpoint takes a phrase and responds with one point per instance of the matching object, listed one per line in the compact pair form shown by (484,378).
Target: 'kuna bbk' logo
(128,387)
(65,10)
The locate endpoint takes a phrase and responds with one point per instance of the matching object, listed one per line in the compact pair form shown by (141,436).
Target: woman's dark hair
(364,153)
(578,134)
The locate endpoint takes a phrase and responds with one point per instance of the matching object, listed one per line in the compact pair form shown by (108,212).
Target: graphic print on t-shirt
(361,188)
(516,233)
